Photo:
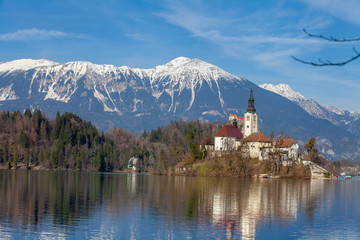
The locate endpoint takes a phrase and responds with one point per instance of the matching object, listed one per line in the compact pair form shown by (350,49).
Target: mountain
(347,120)
(142,99)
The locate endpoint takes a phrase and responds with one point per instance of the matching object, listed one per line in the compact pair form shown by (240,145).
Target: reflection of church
(263,202)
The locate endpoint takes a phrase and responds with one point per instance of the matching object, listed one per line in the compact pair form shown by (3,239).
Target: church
(245,132)
(237,128)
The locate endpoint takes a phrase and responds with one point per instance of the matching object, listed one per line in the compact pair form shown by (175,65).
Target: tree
(15,156)
(311,148)
(27,158)
(24,140)
(322,63)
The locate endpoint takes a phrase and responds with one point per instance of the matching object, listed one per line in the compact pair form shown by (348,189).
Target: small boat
(349,177)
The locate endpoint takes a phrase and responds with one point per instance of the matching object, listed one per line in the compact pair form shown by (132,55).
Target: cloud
(253,36)
(36,34)
(346,10)
(136,36)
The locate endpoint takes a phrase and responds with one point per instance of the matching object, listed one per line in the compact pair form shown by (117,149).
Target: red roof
(257,137)
(241,117)
(233,115)
(283,143)
(229,131)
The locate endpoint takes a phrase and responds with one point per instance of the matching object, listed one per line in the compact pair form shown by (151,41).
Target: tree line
(31,140)
(68,142)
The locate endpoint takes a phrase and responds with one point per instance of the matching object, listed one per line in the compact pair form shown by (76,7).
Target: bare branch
(331,38)
(322,63)
(327,62)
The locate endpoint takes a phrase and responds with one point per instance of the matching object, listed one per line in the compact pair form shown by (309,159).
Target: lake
(77,205)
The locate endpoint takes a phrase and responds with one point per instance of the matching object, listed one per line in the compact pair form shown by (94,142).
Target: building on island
(288,147)
(228,138)
(244,133)
(258,145)
(133,163)
(207,145)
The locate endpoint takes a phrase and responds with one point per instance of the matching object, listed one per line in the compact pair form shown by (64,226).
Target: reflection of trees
(236,207)
(28,196)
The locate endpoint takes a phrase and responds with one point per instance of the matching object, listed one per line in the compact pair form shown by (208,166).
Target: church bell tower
(250,118)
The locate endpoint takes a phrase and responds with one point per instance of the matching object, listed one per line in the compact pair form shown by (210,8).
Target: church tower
(250,118)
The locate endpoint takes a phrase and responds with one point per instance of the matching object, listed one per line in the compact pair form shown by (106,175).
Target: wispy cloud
(346,10)
(36,34)
(236,35)
(136,36)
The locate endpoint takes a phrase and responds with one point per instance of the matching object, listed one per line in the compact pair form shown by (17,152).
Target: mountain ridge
(342,118)
(143,99)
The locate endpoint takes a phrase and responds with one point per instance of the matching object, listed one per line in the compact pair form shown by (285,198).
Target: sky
(253,39)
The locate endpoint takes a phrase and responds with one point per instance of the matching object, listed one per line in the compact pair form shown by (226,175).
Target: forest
(32,141)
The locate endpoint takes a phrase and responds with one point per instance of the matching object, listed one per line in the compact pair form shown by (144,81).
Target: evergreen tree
(56,129)
(27,158)
(6,150)
(311,148)
(23,140)
(15,156)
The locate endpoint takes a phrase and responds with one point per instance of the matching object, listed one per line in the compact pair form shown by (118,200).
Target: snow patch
(212,112)
(7,93)
(142,114)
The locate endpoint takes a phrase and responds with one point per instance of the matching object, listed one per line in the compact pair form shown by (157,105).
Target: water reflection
(94,205)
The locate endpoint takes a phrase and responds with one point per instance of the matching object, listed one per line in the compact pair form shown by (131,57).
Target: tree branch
(331,38)
(327,62)
(322,63)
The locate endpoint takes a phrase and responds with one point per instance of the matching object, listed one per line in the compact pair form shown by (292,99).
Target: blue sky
(254,39)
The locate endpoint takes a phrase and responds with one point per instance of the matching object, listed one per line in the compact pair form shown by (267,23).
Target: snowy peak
(25,64)
(179,61)
(189,71)
(285,91)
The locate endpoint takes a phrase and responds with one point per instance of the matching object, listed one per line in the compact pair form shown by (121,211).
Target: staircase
(318,172)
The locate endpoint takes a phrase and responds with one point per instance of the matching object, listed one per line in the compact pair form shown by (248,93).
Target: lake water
(73,205)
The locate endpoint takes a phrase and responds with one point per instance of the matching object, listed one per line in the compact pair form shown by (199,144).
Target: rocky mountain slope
(347,120)
(142,99)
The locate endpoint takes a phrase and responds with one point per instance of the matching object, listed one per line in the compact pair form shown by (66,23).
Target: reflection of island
(240,211)
(226,206)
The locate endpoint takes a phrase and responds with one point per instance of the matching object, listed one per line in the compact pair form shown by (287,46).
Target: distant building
(228,138)
(207,145)
(181,167)
(258,145)
(288,147)
(133,163)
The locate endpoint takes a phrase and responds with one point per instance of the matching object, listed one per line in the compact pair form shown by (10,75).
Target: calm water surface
(72,205)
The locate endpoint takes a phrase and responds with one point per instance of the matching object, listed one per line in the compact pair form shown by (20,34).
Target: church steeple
(251,104)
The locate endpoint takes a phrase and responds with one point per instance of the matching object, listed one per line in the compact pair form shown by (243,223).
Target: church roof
(284,143)
(257,137)
(251,103)
(229,131)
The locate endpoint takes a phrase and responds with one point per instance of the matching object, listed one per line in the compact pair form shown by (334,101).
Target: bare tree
(322,63)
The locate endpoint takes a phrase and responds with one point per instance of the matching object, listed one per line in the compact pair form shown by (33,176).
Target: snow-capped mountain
(142,99)
(345,119)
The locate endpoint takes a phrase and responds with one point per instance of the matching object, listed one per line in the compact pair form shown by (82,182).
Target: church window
(247,118)
(247,126)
